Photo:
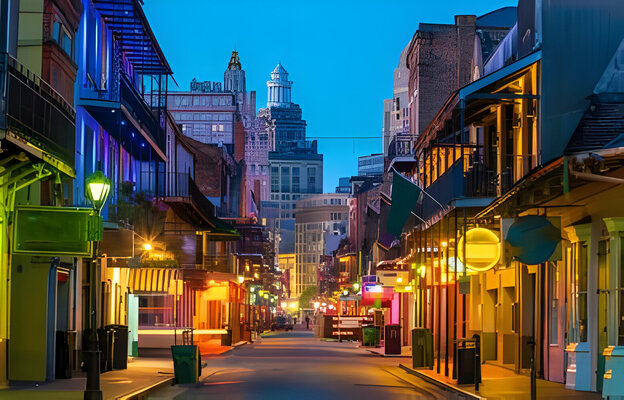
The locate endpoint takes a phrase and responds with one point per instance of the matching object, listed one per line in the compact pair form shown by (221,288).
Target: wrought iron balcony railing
(34,112)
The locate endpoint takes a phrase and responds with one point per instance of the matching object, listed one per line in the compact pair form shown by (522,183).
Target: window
(274,179)
(63,38)
(285,179)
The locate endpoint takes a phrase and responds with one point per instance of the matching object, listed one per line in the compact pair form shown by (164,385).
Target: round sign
(482,249)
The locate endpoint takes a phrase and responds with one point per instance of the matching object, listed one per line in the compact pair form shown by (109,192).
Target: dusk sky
(340,54)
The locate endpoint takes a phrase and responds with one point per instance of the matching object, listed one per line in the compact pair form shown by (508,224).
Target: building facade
(320,223)
(371,165)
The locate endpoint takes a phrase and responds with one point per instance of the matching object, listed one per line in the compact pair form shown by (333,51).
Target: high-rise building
(320,223)
(295,168)
(208,112)
(396,111)
(344,185)
(371,165)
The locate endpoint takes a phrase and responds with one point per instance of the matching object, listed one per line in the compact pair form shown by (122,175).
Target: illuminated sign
(482,249)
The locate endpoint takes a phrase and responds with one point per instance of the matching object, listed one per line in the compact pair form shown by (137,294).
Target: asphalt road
(297,366)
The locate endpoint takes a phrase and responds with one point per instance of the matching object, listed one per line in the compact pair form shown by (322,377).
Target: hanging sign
(532,239)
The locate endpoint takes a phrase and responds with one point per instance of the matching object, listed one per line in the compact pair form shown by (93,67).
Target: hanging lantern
(482,249)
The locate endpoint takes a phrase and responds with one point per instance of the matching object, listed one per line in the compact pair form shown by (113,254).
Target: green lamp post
(97,188)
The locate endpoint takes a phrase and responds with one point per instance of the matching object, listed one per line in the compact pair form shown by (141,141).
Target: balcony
(32,112)
(182,194)
(218,263)
(123,112)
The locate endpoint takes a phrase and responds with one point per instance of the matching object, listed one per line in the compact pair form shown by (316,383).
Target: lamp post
(97,189)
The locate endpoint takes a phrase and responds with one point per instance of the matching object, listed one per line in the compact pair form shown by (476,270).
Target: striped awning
(151,280)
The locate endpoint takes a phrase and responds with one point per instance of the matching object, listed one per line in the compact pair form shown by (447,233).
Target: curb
(141,393)
(387,355)
(440,383)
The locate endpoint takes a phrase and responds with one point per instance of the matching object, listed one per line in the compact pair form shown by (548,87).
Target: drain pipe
(596,178)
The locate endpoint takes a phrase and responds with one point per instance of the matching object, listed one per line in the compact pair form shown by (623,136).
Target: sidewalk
(406,351)
(499,383)
(142,374)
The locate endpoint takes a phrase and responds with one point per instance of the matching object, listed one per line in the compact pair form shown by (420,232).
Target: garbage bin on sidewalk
(370,335)
(186,363)
(226,338)
(468,361)
(422,348)
(120,346)
(392,342)
(63,367)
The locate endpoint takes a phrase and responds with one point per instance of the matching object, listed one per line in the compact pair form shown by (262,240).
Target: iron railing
(34,111)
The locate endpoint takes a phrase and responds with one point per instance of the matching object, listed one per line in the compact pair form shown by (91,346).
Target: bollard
(477,361)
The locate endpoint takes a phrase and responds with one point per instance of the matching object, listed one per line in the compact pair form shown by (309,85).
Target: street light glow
(147,246)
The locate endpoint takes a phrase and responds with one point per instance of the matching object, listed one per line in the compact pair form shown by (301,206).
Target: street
(296,365)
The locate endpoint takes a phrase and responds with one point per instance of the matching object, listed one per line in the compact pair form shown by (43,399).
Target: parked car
(282,323)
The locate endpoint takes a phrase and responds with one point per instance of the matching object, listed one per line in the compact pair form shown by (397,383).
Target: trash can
(105,342)
(422,348)
(392,342)
(226,338)
(186,363)
(370,335)
(468,361)
(120,346)
(63,368)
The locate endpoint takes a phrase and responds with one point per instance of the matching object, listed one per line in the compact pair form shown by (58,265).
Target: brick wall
(439,63)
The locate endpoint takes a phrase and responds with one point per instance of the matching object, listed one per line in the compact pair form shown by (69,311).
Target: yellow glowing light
(399,279)
(345,292)
(482,249)
(413,265)
(283,304)
(253,289)
(422,270)
(317,304)
(294,306)
(408,288)
(256,275)
(444,244)
(241,279)
(212,282)
(266,296)
(147,246)
(356,286)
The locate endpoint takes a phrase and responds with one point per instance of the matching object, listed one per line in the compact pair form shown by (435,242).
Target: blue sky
(340,54)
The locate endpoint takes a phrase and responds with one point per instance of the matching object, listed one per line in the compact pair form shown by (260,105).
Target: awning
(151,280)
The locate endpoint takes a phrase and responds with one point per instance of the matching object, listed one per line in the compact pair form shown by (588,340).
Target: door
(603,308)
(555,310)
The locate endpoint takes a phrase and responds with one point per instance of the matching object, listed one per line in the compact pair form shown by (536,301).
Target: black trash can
(105,342)
(63,368)
(120,346)
(468,362)
(392,342)
(226,339)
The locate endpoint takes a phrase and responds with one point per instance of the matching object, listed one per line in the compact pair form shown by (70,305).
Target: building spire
(234,63)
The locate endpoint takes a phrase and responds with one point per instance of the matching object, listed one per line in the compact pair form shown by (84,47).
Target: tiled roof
(599,128)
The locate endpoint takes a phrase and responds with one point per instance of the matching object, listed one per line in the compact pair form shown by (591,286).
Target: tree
(307,295)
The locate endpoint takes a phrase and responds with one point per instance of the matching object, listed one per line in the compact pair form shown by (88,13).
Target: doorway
(603,308)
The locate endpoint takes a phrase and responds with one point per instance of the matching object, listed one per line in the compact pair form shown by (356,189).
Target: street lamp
(97,188)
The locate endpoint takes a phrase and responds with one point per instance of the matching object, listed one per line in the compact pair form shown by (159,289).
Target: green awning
(221,231)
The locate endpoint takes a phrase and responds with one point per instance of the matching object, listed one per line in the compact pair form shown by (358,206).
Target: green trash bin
(186,363)
(422,348)
(370,336)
